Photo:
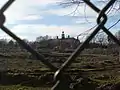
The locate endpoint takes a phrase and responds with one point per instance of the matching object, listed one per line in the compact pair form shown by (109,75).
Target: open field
(23,72)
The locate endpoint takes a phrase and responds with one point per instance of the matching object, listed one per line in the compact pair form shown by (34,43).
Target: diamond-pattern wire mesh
(61,81)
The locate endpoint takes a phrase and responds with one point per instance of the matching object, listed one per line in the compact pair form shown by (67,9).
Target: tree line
(100,40)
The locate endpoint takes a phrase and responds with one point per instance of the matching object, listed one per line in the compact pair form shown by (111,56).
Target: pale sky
(32,18)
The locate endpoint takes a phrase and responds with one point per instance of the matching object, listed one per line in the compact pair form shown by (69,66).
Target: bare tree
(114,8)
(101,39)
(42,38)
(117,34)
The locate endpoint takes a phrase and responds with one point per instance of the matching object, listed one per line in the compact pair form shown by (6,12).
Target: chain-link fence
(62,83)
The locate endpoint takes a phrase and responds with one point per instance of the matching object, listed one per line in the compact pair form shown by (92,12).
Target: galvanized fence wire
(20,41)
(60,79)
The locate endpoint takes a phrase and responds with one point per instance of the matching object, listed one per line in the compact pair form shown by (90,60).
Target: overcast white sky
(32,18)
